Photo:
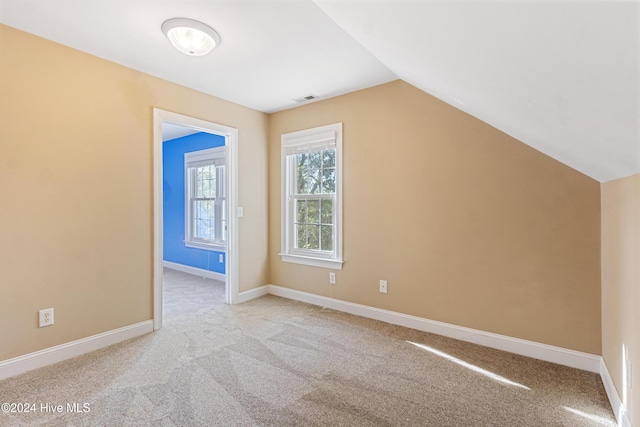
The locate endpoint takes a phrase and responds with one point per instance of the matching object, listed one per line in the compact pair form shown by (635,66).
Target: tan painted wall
(76,190)
(468,225)
(621,284)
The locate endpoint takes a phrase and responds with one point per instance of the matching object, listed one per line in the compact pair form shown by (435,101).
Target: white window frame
(310,140)
(210,156)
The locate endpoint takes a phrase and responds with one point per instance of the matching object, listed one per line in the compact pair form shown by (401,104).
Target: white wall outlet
(383,286)
(220,258)
(240,212)
(46,317)
(332,278)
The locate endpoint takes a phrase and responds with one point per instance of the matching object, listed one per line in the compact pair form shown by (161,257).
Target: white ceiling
(172,131)
(562,76)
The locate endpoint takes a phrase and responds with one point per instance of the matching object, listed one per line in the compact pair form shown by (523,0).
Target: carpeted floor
(277,362)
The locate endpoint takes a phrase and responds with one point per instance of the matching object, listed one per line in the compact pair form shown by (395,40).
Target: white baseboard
(253,293)
(559,355)
(195,271)
(49,356)
(614,397)
(575,359)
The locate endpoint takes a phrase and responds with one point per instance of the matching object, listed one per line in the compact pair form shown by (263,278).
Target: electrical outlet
(332,278)
(46,317)
(220,258)
(383,286)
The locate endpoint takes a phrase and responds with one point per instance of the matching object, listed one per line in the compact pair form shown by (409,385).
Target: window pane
(210,230)
(301,236)
(308,181)
(204,187)
(328,181)
(301,211)
(326,213)
(309,160)
(313,239)
(315,160)
(204,181)
(313,211)
(203,229)
(203,209)
(203,219)
(301,161)
(210,188)
(329,158)
(327,237)
(209,182)
(199,228)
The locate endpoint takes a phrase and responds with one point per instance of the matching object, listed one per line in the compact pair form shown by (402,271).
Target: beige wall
(468,225)
(76,190)
(621,284)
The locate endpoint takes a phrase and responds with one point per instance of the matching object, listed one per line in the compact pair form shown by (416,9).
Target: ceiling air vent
(305,98)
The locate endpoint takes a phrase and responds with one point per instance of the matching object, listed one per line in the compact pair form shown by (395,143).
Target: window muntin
(311,196)
(205,213)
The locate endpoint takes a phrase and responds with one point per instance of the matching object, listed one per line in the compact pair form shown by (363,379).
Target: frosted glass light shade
(190,37)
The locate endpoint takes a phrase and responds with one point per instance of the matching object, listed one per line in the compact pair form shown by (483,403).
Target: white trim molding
(49,356)
(253,293)
(319,139)
(562,356)
(614,398)
(231,143)
(194,270)
(334,264)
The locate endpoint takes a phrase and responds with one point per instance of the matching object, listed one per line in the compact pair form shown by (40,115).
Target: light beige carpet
(276,362)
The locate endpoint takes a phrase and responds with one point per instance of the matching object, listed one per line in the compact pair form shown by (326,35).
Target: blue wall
(173,204)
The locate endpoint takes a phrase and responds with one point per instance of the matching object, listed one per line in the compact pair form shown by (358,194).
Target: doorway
(230,136)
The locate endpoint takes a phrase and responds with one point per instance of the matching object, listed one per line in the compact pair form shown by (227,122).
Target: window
(312,197)
(205,194)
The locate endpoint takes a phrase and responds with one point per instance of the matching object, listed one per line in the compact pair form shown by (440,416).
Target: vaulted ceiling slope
(560,75)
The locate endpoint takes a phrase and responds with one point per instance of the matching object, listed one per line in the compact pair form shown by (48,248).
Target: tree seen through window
(315,188)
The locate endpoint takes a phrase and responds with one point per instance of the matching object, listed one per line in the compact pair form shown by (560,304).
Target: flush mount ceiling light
(190,37)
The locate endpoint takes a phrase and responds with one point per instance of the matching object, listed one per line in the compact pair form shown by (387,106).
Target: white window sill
(205,246)
(333,264)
